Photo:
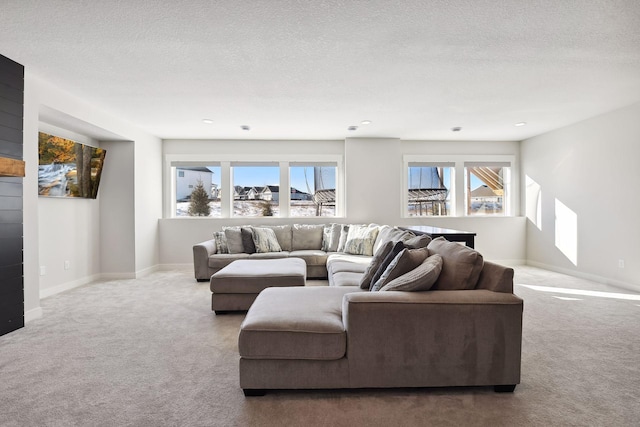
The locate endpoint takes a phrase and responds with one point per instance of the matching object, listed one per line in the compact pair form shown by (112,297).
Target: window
(256,190)
(251,185)
(313,190)
(429,186)
(459,185)
(486,185)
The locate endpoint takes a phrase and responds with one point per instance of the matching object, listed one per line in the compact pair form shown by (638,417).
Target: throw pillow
(395,250)
(234,239)
(265,240)
(388,233)
(247,240)
(420,278)
(461,265)
(221,242)
(344,232)
(418,241)
(306,236)
(375,263)
(331,237)
(404,262)
(360,239)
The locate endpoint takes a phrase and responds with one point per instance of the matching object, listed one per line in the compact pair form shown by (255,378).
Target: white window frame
(225,161)
(457,190)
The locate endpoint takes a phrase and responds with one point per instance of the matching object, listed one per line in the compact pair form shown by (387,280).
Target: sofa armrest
(496,277)
(201,253)
(435,338)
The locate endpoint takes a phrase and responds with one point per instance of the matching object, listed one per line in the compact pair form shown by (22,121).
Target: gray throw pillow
(247,240)
(234,240)
(374,265)
(416,242)
(420,278)
(395,250)
(265,240)
(403,263)
(461,265)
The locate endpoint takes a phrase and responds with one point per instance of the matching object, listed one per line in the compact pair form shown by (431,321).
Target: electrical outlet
(620,263)
(67,264)
(43,270)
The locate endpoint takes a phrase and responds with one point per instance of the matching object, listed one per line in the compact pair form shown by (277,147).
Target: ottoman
(236,286)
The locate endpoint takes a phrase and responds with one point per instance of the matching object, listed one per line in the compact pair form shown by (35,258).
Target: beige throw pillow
(374,265)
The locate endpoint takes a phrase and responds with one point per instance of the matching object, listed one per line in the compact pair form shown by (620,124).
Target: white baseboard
(44,293)
(165,267)
(508,262)
(587,276)
(147,271)
(33,314)
(117,276)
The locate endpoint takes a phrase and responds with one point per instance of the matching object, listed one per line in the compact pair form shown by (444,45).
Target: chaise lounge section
(466,330)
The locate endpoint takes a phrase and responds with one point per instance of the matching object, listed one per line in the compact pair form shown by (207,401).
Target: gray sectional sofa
(401,311)
(312,243)
(465,331)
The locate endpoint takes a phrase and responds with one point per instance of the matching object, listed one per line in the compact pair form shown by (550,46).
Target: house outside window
(250,185)
(486,188)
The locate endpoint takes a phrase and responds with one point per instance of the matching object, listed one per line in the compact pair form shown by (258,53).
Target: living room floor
(151,352)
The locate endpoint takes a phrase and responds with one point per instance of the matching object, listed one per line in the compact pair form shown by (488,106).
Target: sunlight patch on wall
(567,232)
(533,207)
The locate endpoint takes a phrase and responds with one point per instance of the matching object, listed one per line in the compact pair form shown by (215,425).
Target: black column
(11,272)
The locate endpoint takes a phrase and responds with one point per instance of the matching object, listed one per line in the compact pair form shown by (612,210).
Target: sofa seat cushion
(338,261)
(311,256)
(346,278)
(219,261)
(269,255)
(295,323)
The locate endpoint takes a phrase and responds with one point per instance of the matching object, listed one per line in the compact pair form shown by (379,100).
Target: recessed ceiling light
(456,129)
(365,122)
(520,124)
(352,128)
(207,121)
(245,127)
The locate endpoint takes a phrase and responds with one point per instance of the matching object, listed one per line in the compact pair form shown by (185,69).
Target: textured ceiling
(295,69)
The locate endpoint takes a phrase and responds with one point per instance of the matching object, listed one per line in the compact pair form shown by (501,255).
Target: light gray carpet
(150,352)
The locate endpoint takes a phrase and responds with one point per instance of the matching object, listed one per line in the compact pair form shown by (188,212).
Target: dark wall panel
(11,217)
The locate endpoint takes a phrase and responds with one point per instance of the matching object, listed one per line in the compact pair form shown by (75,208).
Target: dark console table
(467,237)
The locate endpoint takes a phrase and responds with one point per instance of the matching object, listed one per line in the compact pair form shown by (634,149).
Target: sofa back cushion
(306,236)
(387,233)
(461,265)
(234,239)
(283,234)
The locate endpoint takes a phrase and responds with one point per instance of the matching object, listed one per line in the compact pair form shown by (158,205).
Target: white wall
(592,168)
(134,229)
(69,232)
(373,167)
